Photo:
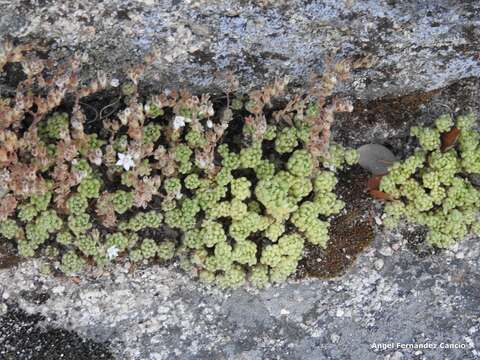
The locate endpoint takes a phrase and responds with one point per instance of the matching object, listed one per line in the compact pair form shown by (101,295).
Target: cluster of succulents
(242,203)
(245,217)
(67,230)
(249,221)
(432,186)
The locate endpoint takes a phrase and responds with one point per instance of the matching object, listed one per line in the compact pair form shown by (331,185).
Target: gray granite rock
(159,313)
(418,45)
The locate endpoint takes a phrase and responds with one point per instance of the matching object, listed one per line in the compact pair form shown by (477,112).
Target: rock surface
(158,313)
(417,45)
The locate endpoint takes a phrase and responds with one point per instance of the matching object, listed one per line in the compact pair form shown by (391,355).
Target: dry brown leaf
(374,182)
(449,138)
(380,195)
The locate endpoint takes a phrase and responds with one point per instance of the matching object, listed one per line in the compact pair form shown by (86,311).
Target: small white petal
(178,122)
(112,252)
(209,124)
(126,161)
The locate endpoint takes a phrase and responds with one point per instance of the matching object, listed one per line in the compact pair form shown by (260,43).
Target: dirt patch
(350,233)
(399,109)
(8,259)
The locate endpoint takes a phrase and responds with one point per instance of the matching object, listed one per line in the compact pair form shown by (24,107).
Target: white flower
(112,252)
(179,122)
(209,124)
(126,161)
(114,82)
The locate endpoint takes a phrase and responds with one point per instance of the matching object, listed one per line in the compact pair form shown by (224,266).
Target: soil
(350,233)
(399,109)
(8,261)
(8,258)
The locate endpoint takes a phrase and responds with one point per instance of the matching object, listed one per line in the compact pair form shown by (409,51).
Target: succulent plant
(296,195)
(9,228)
(431,187)
(71,263)
(122,201)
